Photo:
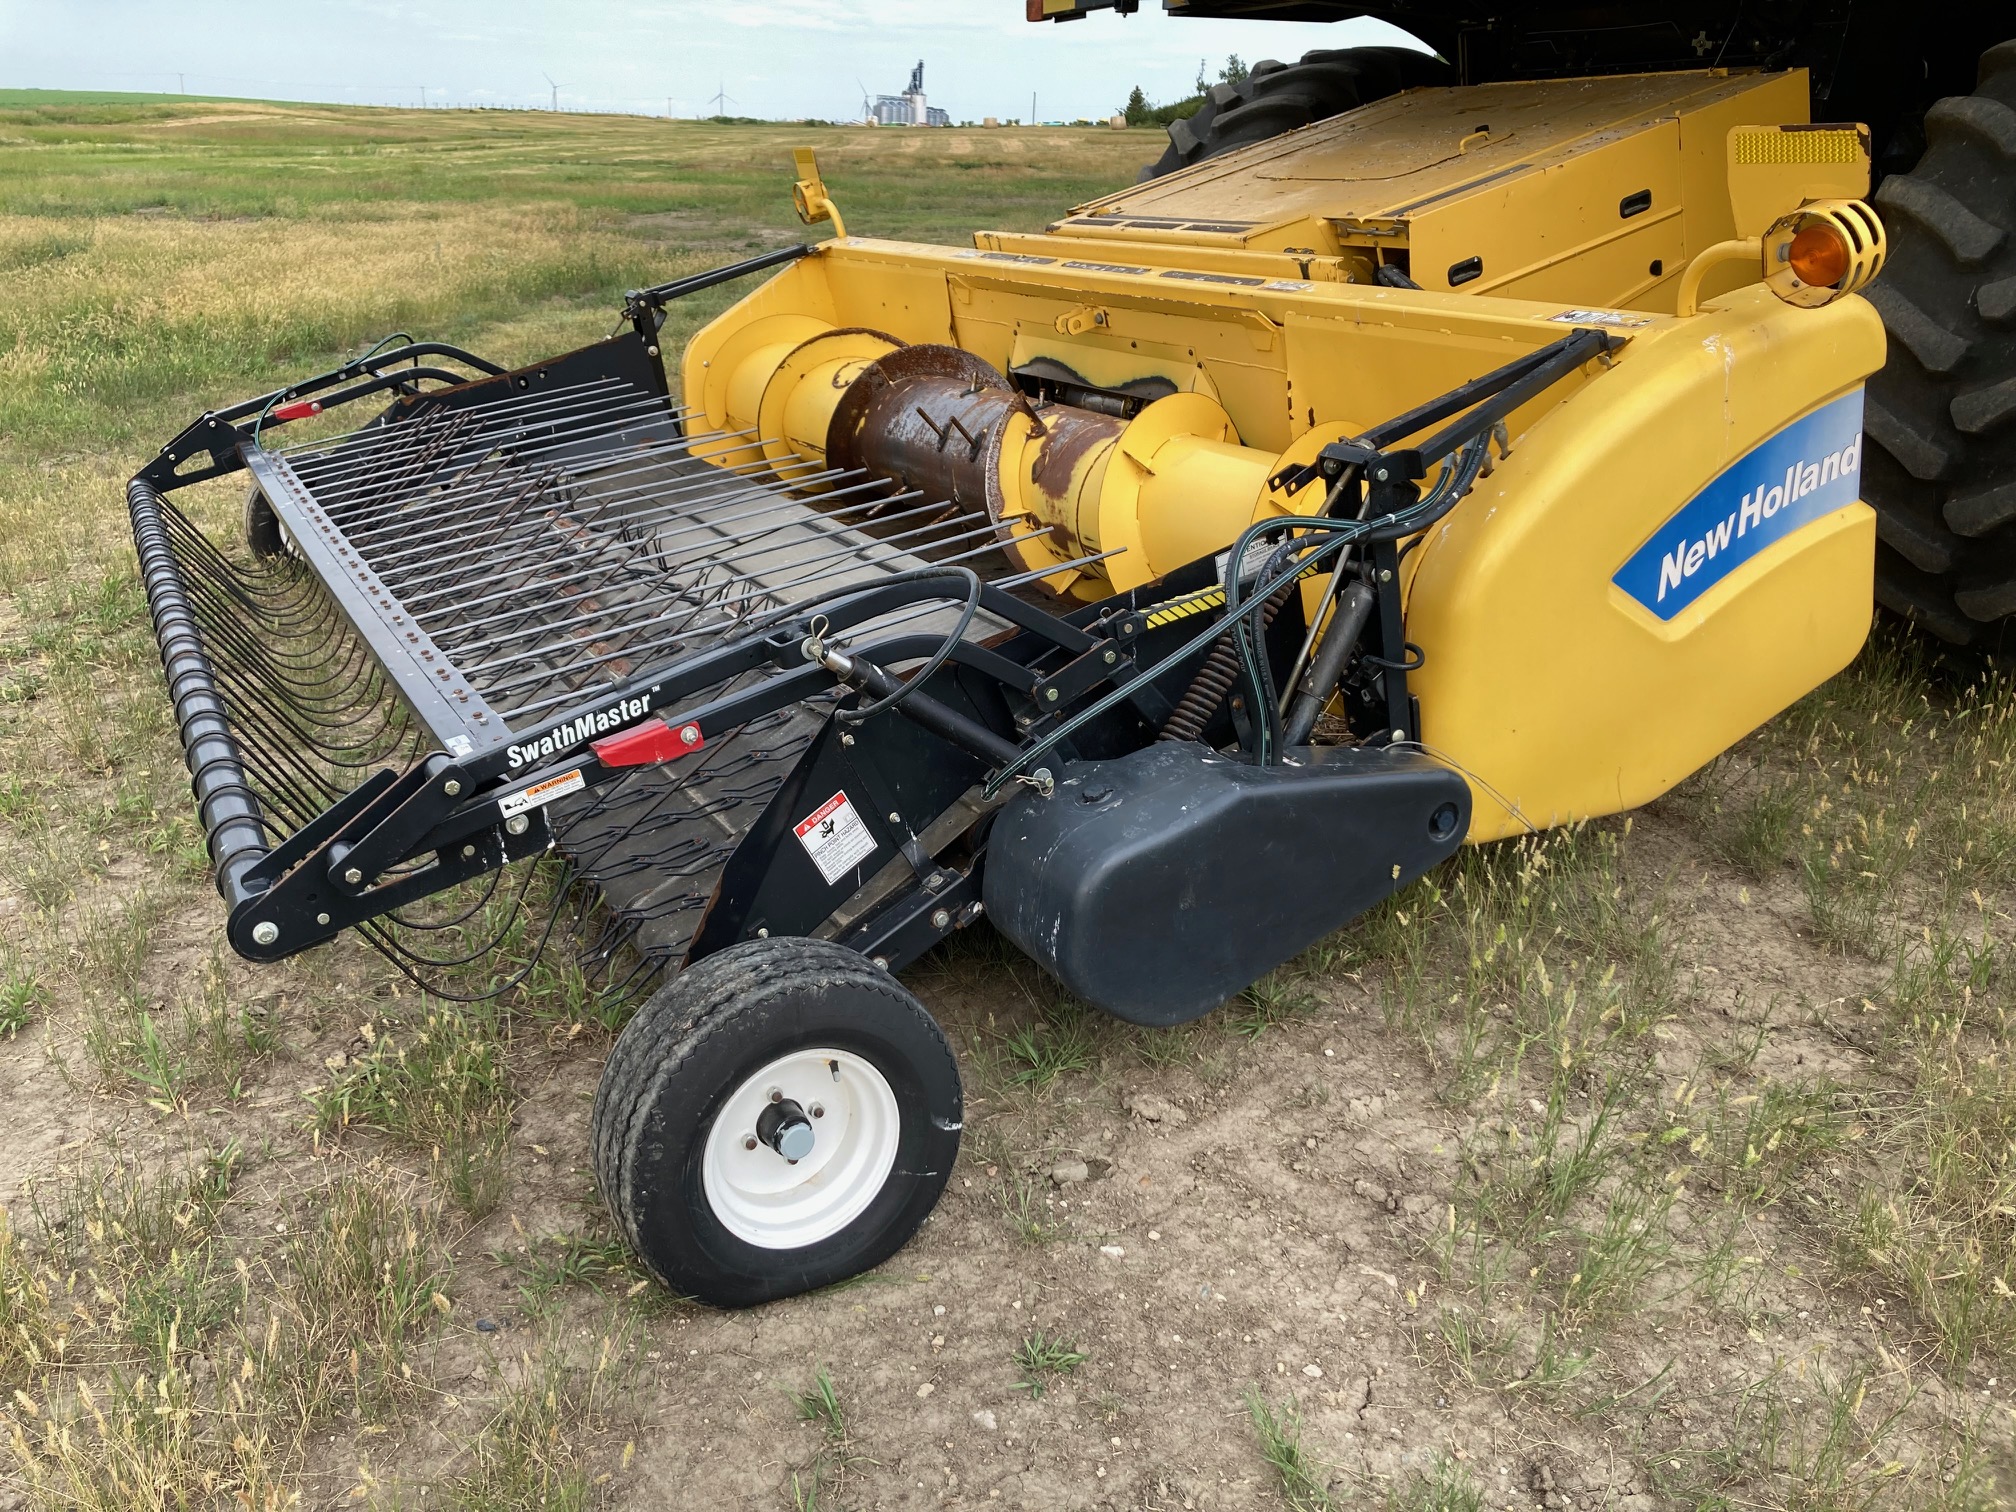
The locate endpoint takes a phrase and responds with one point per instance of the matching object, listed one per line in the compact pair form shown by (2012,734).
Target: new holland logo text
(572,733)
(1803,473)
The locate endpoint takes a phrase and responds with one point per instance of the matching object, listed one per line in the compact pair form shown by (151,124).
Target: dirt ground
(1257,1219)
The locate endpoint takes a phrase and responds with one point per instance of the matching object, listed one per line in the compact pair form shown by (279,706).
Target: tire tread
(675,1026)
(1940,416)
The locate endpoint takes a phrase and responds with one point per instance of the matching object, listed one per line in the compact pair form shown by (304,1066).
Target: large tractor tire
(1278,97)
(1941,416)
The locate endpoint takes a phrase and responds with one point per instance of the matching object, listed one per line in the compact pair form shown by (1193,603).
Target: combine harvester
(1168,588)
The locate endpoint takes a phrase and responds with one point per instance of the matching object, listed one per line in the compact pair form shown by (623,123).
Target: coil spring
(1214,680)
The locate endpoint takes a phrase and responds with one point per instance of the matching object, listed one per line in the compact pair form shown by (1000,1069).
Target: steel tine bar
(339,466)
(450,466)
(474,497)
(441,627)
(674,502)
(767,502)
(534,437)
(469,499)
(400,472)
(403,454)
(1035,575)
(508,406)
(815,568)
(595,426)
(450,640)
(647,551)
(495,692)
(571,416)
(674,497)
(514,399)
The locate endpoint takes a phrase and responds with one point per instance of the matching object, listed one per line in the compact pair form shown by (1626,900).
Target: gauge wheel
(781,1116)
(263,531)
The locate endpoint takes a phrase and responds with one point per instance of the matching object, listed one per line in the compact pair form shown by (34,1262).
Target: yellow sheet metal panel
(1532,234)
(1571,698)
(1405,155)
(1596,190)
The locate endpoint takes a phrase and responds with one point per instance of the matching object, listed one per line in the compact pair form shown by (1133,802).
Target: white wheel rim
(766,1200)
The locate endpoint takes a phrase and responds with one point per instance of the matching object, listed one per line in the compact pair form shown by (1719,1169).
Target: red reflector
(300,409)
(650,742)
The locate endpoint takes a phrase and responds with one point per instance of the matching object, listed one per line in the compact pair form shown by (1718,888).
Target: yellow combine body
(1244,301)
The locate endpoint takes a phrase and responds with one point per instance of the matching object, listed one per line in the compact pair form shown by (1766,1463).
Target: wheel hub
(784,1127)
(801,1148)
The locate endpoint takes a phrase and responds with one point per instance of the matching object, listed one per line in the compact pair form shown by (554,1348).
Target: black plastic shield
(1158,884)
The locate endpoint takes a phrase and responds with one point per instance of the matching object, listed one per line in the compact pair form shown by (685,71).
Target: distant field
(43,99)
(1656,1165)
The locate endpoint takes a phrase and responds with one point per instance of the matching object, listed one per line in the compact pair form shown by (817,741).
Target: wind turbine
(556,90)
(722,97)
(867,100)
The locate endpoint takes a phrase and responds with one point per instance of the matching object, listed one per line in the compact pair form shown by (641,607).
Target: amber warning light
(1819,255)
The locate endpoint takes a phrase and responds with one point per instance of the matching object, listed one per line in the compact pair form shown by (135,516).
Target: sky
(784,59)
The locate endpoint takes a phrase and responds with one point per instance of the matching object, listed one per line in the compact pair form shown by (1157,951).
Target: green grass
(438,1085)
(551,1416)
(1043,1359)
(1304,1480)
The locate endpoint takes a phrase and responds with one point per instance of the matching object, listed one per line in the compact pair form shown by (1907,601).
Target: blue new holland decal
(1804,472)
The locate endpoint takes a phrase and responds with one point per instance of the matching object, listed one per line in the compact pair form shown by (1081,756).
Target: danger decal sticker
(835,838)
(1804,473)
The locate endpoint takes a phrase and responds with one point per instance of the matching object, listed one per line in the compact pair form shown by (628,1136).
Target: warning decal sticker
(835,838)
(542,793)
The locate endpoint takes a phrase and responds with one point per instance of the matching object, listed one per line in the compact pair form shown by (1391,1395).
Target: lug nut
(818,1110)
(775,1094)
(748,1141)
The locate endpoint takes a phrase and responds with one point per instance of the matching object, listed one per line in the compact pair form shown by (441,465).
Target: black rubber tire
(1278,97)
(1941,417)
(262,526)
(705,1033)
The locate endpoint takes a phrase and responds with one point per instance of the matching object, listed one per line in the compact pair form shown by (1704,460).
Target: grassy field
(1662,1163)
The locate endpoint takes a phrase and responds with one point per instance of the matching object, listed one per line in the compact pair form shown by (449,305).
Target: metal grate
(457,575)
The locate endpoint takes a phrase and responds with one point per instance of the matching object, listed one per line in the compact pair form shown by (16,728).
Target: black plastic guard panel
(1157,884)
